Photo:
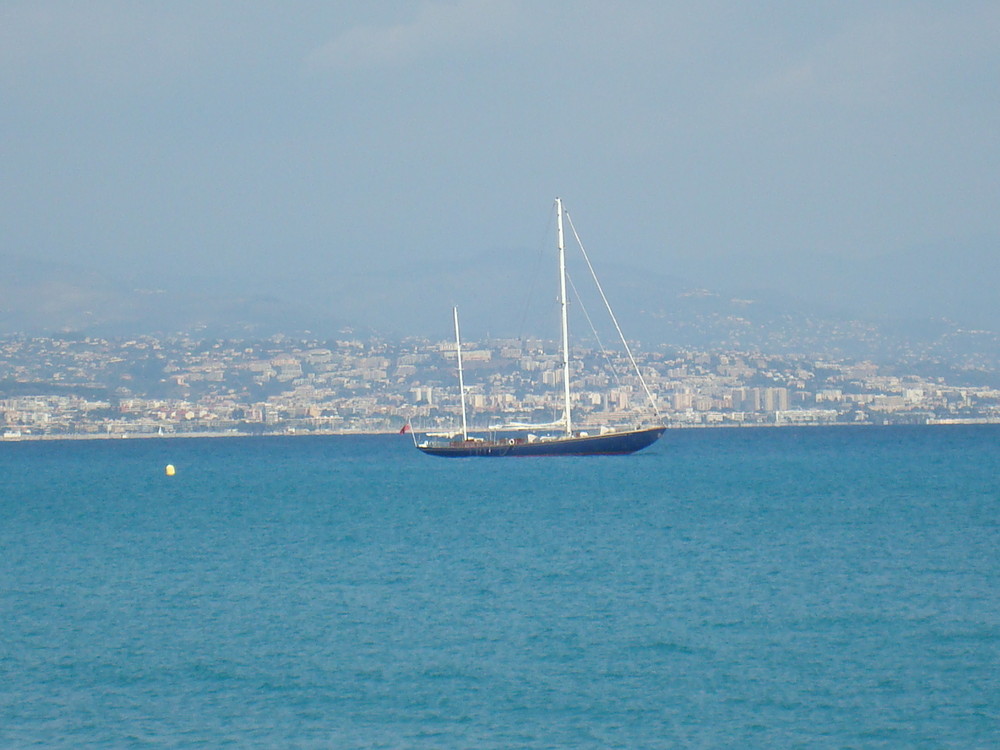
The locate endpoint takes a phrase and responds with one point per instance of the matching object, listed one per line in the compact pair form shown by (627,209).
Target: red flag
(406,429)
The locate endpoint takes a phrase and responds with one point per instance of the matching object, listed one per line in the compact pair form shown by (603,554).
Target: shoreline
(20,438)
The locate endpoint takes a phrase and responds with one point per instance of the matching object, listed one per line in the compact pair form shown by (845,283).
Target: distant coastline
(94,388)
(22,438)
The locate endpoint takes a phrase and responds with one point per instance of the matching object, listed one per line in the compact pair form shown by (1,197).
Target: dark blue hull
(617,443)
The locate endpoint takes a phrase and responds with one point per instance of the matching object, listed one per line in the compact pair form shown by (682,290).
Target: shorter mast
(461,379)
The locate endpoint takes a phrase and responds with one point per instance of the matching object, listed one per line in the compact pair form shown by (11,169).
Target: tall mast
(461,379)
(562,304)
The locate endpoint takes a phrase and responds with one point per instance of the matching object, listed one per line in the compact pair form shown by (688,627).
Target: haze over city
(375,163)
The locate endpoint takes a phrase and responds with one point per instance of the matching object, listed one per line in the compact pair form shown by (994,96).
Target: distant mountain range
(38,297)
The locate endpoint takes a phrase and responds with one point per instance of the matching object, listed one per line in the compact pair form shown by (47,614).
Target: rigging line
(600,344)
(533,280)
(611,312)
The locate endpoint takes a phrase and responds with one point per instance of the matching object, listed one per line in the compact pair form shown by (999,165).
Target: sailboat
(568,442)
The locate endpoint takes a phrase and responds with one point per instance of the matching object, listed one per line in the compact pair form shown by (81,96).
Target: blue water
(734,588)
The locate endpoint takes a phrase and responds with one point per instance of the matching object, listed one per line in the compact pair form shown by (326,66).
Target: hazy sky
(842,151)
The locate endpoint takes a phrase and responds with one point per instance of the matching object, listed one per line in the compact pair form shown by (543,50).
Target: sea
(730,588)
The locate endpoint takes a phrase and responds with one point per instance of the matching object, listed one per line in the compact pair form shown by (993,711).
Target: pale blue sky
(330,151)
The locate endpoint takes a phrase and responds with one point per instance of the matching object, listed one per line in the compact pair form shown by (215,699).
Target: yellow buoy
(171,470)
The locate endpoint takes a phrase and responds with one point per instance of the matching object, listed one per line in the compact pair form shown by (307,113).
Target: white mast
(461,380)
(562,305)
